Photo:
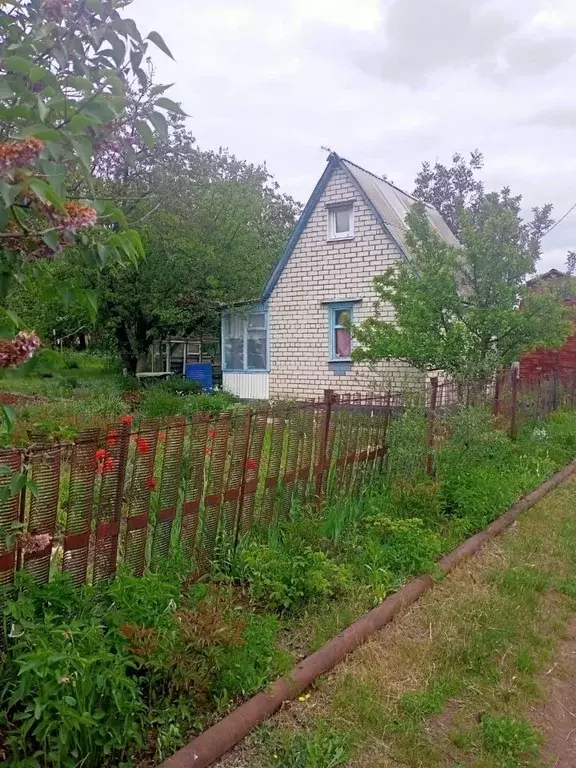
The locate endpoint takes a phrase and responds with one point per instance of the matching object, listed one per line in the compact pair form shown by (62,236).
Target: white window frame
(257,309)
(332,211)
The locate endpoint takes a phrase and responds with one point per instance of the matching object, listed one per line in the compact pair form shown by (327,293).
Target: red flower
(111,441)
(211,434)
(251,464)
(151,483)
(142,445)
(108,464)
(100,454)
(207,451)
(127,419)
(113,433)
(161,436)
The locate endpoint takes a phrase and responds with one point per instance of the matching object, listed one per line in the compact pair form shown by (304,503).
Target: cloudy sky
(386,83)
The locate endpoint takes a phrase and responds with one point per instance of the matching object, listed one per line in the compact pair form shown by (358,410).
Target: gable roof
(388,203)
(552,274)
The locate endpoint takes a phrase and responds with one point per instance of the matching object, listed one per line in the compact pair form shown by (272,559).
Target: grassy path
(473,676)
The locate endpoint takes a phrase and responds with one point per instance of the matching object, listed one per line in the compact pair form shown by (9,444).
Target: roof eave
(309,208)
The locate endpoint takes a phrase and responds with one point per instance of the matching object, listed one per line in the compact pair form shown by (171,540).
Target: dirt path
(480,673)
(556,720)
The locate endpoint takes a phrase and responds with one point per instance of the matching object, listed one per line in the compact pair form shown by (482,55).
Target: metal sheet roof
(393,204)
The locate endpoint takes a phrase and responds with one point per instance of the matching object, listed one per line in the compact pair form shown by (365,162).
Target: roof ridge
(380,178)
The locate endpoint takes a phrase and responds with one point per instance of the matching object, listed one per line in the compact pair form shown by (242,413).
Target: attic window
(341,222)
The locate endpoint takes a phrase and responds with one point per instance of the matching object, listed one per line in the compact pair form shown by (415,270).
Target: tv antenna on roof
(330,151)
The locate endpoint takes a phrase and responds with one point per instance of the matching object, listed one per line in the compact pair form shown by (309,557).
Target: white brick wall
(320,271)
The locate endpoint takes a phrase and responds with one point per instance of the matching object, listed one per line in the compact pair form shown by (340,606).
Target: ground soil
(556,719)
(8,398)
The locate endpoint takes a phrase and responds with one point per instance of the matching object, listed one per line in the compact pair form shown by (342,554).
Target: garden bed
(56,396)
(127,672)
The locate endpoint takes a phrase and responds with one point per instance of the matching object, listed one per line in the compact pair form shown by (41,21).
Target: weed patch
(452,682)
(320,748)
(514,742)
(138,665)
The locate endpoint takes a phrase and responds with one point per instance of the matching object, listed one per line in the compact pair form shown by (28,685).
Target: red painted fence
(120,495)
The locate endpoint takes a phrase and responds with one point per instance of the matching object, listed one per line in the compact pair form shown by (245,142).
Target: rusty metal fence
(132,495)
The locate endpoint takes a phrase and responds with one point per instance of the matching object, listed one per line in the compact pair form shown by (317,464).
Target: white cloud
(387,83)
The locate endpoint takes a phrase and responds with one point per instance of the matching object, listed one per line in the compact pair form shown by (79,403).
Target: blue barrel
(201,372)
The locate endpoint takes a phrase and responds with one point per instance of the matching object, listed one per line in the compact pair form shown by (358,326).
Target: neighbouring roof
(389,204)
(552,274)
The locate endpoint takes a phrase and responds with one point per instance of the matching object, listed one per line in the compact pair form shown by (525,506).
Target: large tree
(212,226)
(458,308)
(65,71)
(215,245)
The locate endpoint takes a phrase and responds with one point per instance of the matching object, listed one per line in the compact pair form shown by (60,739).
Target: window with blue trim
(340,317)
(245,341)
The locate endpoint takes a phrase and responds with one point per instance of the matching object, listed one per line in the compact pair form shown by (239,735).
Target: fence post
(514,380)
(240,507)
(555,389)
(496,405)
(431,419)
(324,437)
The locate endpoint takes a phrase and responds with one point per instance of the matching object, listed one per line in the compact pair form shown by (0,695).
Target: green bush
(245,669)
(406,546)
(87,672)
(284,578)
(67,691)
(478,495)
(45,364)
(89,361)
(158,402)
(472,440)
(181,386)
(215,403)
(126,383)
(555,436)
(407,446)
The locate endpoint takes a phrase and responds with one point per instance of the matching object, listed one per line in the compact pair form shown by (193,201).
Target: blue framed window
(340,315)
(245,340)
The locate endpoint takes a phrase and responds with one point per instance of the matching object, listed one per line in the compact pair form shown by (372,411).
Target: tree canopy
(466,310)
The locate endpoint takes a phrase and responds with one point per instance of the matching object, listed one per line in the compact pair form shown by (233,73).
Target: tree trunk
(129,361)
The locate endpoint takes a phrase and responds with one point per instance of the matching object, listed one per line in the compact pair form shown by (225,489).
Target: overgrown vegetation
(93,674)
(57,394)
(137,666)
(457,680)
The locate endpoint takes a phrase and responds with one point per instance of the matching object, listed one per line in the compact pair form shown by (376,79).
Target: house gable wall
(320,271)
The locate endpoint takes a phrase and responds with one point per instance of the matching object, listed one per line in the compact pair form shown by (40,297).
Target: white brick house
(290,342)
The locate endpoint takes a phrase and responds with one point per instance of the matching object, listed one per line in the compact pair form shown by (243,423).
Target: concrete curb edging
(225,734)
